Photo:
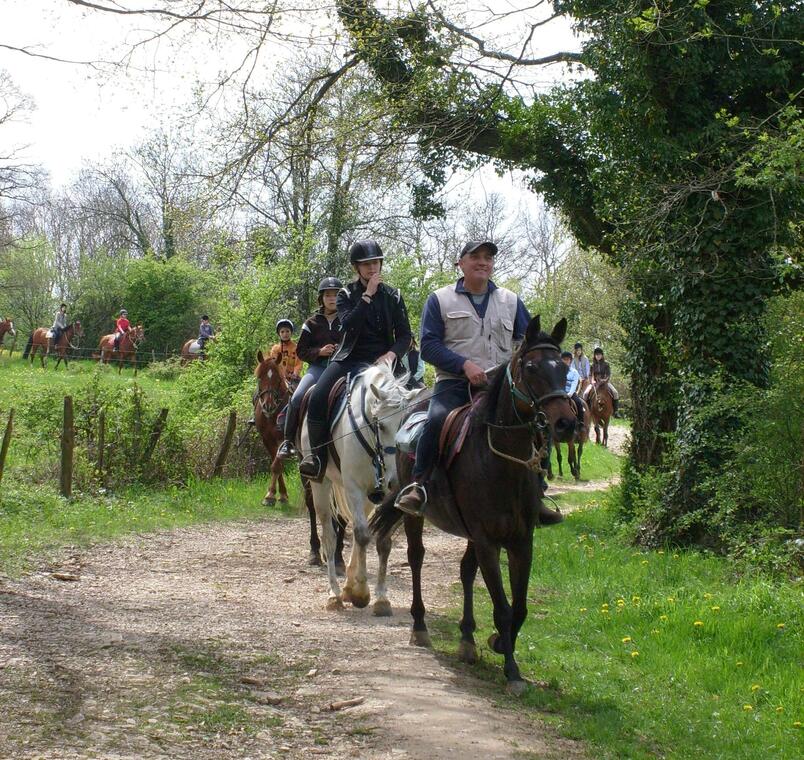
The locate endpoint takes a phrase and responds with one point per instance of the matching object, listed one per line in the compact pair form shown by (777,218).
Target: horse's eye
(530,367)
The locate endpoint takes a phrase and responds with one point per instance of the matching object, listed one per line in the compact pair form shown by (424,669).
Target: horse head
(137,334)
(7,326)
(385,405)
(76,329)
(538,378)
(271,384)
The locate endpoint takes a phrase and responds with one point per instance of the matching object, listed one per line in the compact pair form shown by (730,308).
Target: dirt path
(213,642)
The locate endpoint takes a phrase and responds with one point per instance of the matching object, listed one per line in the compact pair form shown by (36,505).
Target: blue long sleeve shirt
(434,351)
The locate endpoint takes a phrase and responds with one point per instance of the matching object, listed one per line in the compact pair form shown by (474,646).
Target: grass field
(654,654)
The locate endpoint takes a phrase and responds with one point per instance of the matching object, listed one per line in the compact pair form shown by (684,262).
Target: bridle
(537,424)
(274,396)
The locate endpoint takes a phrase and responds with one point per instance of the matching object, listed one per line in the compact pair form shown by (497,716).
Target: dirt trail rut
(213,642)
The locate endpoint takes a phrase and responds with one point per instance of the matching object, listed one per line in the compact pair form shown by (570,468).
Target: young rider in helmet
(59,325)
(121,327)
(580,361)
(374,327)
(572,386)
(284,352)
(467,328)
(602,372)
(318,341)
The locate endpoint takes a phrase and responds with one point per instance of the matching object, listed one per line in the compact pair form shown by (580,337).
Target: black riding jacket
(372,329)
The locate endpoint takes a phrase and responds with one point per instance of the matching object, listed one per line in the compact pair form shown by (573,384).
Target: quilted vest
(487,341)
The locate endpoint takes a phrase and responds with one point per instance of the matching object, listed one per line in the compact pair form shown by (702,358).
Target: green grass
(652,654)
(36,521)
(597,463)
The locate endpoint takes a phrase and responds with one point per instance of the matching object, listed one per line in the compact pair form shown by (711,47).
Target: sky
(85,114)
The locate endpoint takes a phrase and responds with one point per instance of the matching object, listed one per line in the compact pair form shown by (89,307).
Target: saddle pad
(49,334)
(195,347)
(410,431)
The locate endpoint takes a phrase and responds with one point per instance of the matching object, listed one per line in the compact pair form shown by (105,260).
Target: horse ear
(534,328)
(375,391)
(260,357)
(560,331)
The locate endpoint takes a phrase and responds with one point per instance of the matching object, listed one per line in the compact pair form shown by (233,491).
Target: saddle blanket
(410,431)
(49,334)
(195,347)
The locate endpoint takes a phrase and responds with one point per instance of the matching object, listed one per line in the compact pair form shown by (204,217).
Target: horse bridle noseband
(275,397)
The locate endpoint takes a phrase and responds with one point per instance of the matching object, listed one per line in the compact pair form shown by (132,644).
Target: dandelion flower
(698,623)
(635,654)
(583,609)
(755,687)
(663,618)
(671,599)
(739,663)
(780,626)
(797,724)
(625,639)
(605,605)
(661,551)
(780,709)
(748,708)
(715,608)
(604,612)
(635,599)
(675,556)
(644,562)
(707,595)
(655,631)
(621,602)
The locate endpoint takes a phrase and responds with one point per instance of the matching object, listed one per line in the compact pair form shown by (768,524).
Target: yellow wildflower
(604,612)
(635,599)
(625,639)
(621,602)
(797,724)
(655,630)
(715,608)
(707,595)
(780,709)
(644,562)
(780,626)
(605,605)
(755,687)
(748,708)
(698,623)
(583,609)
(663,618)
(661,551)
(739,663)
(671,600)
(635,654)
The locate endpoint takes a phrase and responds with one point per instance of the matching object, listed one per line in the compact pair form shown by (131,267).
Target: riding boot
(548,516)
(314,465)
(615,402)
(412,499)
(287,449)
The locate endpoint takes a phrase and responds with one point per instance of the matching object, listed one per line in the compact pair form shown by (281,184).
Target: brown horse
(270,399)
(491,494)
(7,327)
(38,341)
(126,348)
(601,405)
(580,438)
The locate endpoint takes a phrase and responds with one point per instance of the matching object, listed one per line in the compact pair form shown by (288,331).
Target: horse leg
(605,433)
(549,458)
(467,651)
(520,558)
(558,460)
(414,527)
(315,543)
(322,493)
(356,586)
(382,607)
(339,525)
(580,454)
(573,462)
(488,558)
(283,491)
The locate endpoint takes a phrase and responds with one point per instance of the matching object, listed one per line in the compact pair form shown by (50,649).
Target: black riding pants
(447,395)
(317,410)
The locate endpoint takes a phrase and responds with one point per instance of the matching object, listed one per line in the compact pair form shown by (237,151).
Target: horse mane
(497,378)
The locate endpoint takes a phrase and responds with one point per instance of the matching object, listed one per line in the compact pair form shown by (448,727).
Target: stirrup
(286,450)
(407,489)
(308,463)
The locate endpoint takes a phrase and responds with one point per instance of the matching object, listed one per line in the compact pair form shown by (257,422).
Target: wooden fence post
(101,441)
(6,442)
(226,445)
(159,426)
(67,444)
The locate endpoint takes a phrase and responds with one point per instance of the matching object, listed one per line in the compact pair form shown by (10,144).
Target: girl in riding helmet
(318,341)
(284,352)
(601,372)
(121,327)
(375,329)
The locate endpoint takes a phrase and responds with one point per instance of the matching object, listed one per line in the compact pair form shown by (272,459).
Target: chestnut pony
(39,342)
(270,399)
(126,348)
(601,405)
(491,494)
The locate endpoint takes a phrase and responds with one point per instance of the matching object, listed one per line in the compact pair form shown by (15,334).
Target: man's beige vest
(488,341)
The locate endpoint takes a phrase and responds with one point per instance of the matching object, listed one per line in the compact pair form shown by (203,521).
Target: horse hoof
(357,600)
(314,560)
(334,604)
(420,639)
(382,608)
(494,643)
(516,688)
(268,501)
(467,652)
(283,499)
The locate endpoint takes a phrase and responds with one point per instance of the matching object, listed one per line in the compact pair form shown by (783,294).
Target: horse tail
(339,504)
(386,518)
(28,346)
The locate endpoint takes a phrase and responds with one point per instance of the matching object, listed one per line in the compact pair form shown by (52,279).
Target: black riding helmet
(329,283)
(597,351)
(284,323)
(365,250)
(578,345)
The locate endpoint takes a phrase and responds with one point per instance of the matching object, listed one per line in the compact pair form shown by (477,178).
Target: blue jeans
(314,371)
(447,395)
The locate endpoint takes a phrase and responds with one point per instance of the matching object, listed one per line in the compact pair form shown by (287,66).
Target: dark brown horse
(580,437)
(7,328)
(270,399)
(126,349)
(601,404)
(38,341)
(491,493)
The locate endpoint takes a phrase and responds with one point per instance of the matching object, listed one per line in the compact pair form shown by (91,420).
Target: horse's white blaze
(386,402)
(270,373)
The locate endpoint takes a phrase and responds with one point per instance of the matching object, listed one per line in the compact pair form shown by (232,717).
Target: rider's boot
(548,516)
(314,465)
(287,449)
(615,402)
(412,499)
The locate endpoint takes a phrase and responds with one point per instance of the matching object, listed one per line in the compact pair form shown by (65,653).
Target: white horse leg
(321,496)
(382,606)
(356,497)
